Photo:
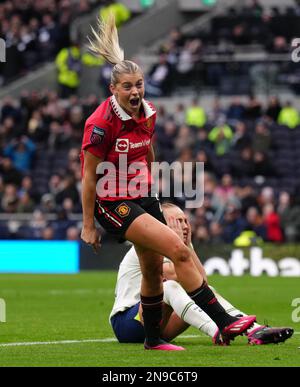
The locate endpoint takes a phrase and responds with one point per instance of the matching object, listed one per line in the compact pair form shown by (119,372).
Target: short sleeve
(97,139)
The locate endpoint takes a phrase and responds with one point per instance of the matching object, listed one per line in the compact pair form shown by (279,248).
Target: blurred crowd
(34,31)
(206,57)
(250,153)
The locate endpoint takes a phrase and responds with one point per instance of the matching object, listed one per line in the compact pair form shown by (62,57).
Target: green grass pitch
(47,308)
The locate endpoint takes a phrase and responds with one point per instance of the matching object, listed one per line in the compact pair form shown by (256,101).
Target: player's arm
(169,272)
(89,232)
(198,264)
(150,156)
(195,257)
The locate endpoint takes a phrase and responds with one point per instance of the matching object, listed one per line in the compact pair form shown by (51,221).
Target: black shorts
(116,216)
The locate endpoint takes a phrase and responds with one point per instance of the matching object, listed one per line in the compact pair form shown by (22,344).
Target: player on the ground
(180,311)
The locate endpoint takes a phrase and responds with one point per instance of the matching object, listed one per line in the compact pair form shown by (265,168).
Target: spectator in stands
(262,165)
(184,139)
(9,173)
(221,136)
(224,195)
(166,141)
(279,45)
(289,218)
(266,196)
(253,8)
(69,67)
(233,224)
(76,123)
(272,224)
(241,139)
(48,233)
(160,78)
(189,57)
(67,190)
(202,157)
(240,35)
(59,136)
(21,151)
(202,141)
(216,113)
(47,204)
(9,200)
(202,234)
(243,165)
(68,206)
(104,79)
(289,116)
(247,198)
(236,111)
(36,31)
(120,11)
(179,114)
(261,140)
(9,108)
(69,62)
(273,109)
(195,115)
(73,234)
(216,233)
(62,223)
(28,187)
(253,108)
(37,224)
(25,204)
(8,131)
(47,37)
(37,129)
(255,223)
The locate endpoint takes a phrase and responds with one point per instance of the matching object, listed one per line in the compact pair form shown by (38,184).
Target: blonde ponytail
(105,43)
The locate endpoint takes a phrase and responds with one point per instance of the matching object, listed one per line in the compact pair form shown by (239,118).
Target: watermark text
(2,50)
(2,311)
(296,311)
(178,180)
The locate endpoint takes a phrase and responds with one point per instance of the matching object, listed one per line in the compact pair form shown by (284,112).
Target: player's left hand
(189,235)
(175,225)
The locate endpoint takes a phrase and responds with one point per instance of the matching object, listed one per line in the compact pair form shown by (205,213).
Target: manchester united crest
(149,123)
(123,210)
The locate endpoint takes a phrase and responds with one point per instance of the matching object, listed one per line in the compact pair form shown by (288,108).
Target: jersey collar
(120,112)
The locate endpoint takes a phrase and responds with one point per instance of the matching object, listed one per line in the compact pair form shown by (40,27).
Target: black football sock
(152,315)
(206,300)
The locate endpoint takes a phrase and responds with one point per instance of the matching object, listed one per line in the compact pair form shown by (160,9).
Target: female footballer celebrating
(123,125)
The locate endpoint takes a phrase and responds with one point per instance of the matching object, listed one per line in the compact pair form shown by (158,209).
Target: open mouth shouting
(134,102)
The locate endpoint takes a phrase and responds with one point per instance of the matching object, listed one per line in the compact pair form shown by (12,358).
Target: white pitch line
(25,344)
(107,340)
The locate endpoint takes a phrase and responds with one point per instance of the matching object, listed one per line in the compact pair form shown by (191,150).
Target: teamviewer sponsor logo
(122,145)
(2,51)
(2,311)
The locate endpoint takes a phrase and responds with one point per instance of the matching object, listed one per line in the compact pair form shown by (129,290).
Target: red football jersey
(115,137)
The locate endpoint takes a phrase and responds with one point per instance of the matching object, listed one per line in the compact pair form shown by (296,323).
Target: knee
(181,254)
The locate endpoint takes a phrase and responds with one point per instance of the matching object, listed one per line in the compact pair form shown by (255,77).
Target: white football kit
(128,287)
